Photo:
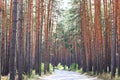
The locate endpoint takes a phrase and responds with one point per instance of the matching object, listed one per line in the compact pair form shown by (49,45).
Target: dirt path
(68,75)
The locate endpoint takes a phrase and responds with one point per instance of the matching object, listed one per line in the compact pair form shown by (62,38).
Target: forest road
(68,75)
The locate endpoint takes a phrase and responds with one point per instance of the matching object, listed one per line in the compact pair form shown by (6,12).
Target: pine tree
(13,42)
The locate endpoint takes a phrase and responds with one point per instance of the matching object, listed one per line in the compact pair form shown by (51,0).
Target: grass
(107,76)
(104,76)
(4,78)
(73,67)
(60,67)
(32,75)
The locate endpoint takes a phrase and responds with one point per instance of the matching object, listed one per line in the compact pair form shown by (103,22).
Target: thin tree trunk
(37,38)
(13,42)
(113,41)
(0,36)
(20,38)
(46,37)
(40,42)
(118,45)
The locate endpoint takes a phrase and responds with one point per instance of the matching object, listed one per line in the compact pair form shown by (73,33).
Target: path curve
(68,75)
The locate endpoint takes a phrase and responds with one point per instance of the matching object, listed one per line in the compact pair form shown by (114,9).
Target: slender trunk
(0,37)
(46,37)
(83,38)
(28,38)
(105,42)
(13,42)
(37,63)
(118,45)
(113,41)
(41,29)
(20,43)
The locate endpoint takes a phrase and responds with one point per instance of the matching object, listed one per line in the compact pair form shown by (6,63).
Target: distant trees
(97,46)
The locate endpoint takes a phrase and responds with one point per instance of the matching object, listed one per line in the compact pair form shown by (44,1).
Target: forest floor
(62,75)
(67,75)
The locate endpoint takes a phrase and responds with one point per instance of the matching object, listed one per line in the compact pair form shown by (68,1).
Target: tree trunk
(13,42)
(113,41)
(40,42)
(118,42)
(20,38)
(0,38)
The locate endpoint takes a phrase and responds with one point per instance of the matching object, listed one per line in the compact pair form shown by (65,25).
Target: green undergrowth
(34,76)
(4,78)
(59,66)
(104,76)
(107,76)
(74,67)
